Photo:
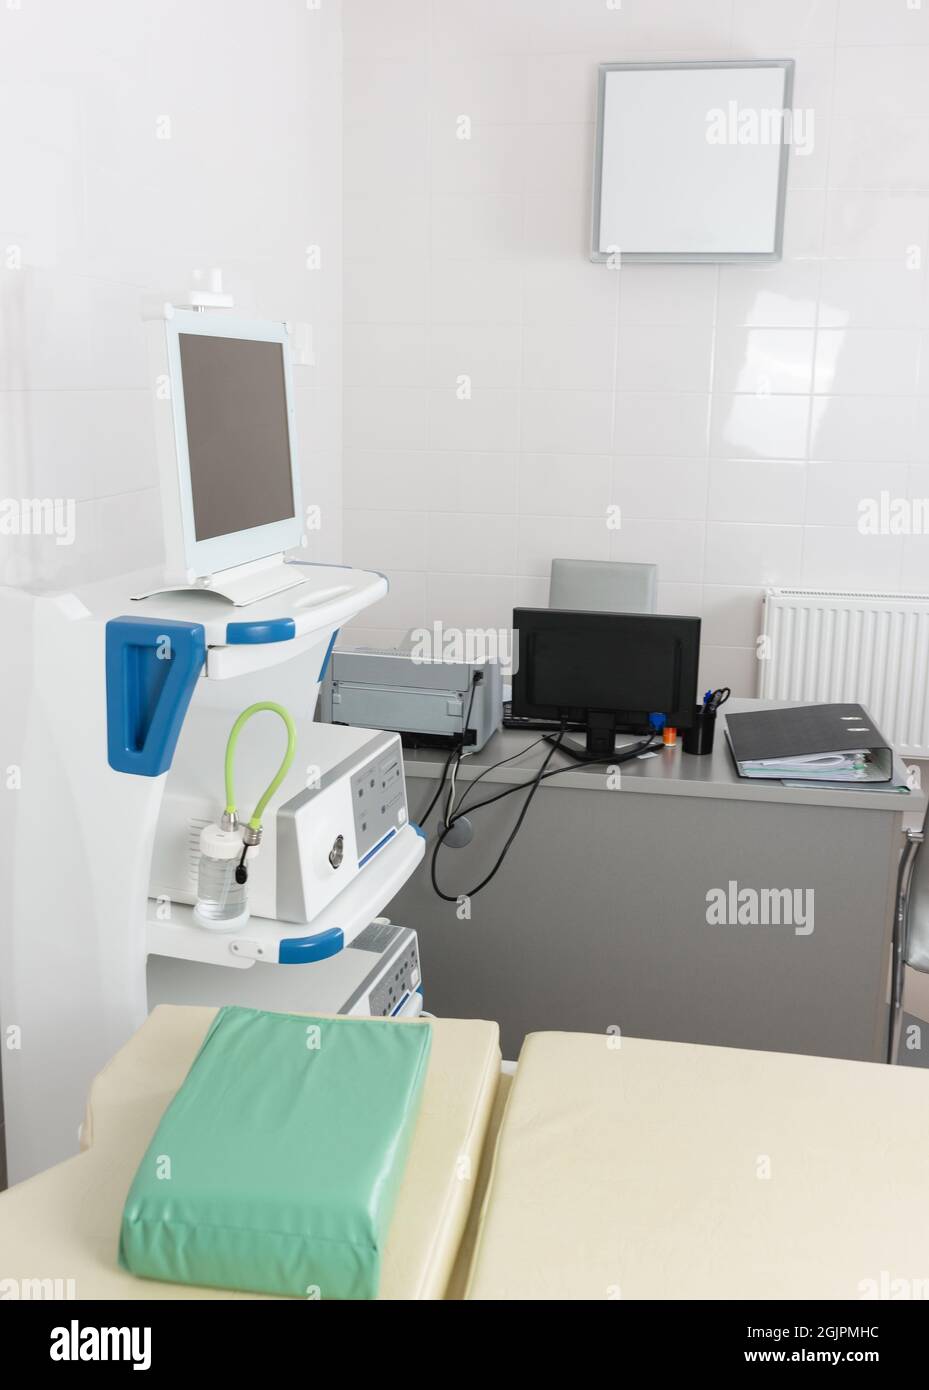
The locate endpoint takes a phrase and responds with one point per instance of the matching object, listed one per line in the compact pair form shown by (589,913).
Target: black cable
(448,762)
(634,750)
(533,788)
(456,749)
(492,768)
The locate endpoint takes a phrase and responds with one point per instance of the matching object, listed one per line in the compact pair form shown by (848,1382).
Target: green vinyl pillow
(276,1167)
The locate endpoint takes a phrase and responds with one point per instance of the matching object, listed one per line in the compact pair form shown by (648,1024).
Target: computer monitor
(608,671)
(230,478)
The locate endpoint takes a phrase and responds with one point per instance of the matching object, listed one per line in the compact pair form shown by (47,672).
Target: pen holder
(698,739)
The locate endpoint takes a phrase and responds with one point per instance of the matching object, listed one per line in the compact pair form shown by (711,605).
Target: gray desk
(598,917)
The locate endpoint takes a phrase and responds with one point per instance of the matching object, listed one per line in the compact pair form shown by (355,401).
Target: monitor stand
(601,739)
(242,584)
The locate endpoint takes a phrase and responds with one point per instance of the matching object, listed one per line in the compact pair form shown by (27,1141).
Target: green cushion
(276,1166)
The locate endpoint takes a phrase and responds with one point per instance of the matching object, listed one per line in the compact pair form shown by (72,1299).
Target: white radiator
(870,648)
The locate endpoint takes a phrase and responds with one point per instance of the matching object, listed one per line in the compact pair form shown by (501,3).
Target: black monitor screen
(238,436)
(628,664)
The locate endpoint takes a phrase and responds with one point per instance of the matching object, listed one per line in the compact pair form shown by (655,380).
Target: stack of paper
(837,744)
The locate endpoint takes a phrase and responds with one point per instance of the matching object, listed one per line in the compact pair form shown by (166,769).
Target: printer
(424,699)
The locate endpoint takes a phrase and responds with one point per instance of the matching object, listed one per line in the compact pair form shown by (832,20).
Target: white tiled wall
(736,415)
(95,208)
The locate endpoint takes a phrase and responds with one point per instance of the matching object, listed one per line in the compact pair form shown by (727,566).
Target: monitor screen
(568,670)
(238,437)
(630,665)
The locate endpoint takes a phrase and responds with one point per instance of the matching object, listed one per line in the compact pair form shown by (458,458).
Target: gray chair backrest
(603,586)
(916,948)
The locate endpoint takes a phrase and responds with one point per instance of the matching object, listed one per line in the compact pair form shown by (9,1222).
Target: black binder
(810,742)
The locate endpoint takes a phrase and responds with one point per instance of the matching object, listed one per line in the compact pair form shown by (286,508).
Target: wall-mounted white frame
(665,187)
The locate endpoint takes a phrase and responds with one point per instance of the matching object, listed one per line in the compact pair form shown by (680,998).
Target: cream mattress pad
(64,1223)
(664,1170)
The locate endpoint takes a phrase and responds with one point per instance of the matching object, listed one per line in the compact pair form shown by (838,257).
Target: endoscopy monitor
(237,482)
(607,671)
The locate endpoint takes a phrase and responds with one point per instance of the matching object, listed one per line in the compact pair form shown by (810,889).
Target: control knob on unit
(337,853)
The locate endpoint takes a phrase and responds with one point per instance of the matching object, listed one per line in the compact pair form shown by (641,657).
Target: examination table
(605,1168)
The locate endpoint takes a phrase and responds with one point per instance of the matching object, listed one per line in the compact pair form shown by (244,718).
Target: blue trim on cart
(269,630)
(152,666)
(380,845)
(304,950)
(419,830)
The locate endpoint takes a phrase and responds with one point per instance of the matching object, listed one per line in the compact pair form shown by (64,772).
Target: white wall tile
(572,356)
(763,361)
(731,616)
(862,428)
(384,156)
(677,294)
(784,25)
(476,226)
(562,87)
(842,557)
(778,296)
(489,354)
(403,607)
(489,88)
(570,290)
(769,490)
(652,359)
(542,537)
(558,160)
(376,540)
(656,487)
(492,160)
(388,228)
(484,292)
(472,481)
(564,25)
(659,423)
(470,600)
(488,419)
(914,569)
(759,426)
(385,417)
(568,422)
(836,491)
(804,223)
(876,226)
(385,291)
(459,543)
(447,481)
(867,361)
(564,485)
(676,547)
(736,667)
(384,354)
(683,600)
(876,22)
(872,294)
(743,554)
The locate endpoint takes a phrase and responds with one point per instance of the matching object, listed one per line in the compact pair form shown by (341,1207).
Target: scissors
(714,698)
